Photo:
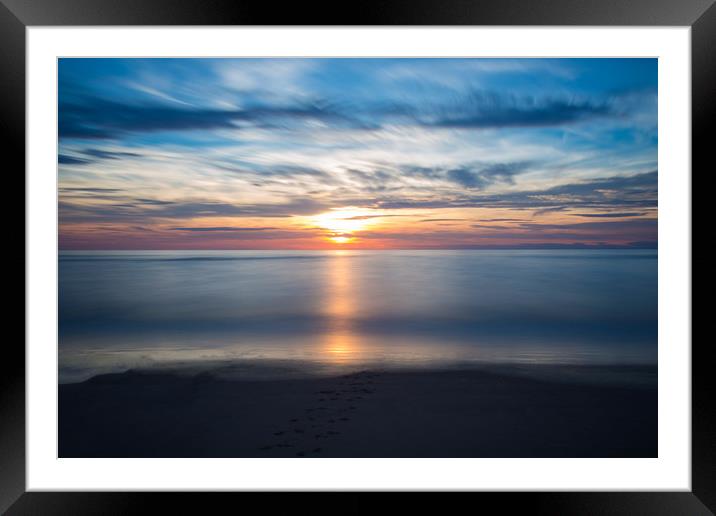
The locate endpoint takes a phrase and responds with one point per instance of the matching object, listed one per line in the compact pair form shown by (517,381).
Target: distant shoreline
(619,374)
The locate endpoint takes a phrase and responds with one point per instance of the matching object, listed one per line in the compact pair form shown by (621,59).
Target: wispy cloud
(95,118)
(139,210)
(221,229)
(483,110)
(64,159)
(616,215)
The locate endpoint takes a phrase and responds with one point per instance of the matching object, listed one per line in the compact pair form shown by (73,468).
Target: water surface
(260,313)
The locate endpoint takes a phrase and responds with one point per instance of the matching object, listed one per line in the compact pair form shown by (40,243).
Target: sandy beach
(583,411)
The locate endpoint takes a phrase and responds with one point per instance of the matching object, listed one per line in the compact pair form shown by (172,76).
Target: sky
(357,153)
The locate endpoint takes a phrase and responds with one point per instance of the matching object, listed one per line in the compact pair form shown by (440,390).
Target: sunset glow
(359,153)
(344,220)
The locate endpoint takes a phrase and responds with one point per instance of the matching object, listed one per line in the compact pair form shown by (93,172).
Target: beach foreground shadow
(454,413)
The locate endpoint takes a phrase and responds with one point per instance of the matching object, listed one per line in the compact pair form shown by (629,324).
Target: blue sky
(369,153)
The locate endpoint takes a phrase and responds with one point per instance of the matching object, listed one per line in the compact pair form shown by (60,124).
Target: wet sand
(450,413)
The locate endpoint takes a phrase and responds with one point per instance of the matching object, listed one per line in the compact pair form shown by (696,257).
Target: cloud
(265,76)
(636,191)
(101,119)
(482,110)
(88,189)
(91,117)
(608,227)
(467,178)
(610,215)
(502,220)
(64,159)
(641,233)
(154,202)
(550,209)
(476,176)
(106,154)
(483,177)
(368,217)
(279,171)
(638,183)
(439,220)
(90,156)
(374,180)
(222,229)
(95,118)
(139,210)
(488,226)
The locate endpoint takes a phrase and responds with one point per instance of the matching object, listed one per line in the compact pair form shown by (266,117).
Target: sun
(343,222)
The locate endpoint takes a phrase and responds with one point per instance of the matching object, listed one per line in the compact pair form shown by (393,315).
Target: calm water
(321,312)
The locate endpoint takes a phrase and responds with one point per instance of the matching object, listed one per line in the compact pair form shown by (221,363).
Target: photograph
(357,257)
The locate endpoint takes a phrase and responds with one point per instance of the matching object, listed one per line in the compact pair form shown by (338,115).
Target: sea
(286,314)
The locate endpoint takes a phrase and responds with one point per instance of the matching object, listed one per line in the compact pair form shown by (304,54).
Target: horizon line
(463,248)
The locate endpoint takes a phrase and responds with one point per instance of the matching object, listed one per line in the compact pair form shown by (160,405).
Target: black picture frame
(17,15)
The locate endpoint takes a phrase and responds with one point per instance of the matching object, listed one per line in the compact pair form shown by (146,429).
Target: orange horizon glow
(363,228)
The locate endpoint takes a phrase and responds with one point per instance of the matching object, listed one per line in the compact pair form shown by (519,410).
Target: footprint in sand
(357,384)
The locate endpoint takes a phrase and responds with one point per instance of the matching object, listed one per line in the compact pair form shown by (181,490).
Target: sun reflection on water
(340,344)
